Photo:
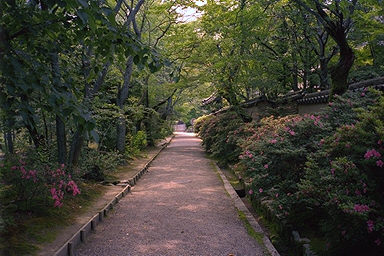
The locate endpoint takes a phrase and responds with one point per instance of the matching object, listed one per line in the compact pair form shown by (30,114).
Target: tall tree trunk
(61,140)
(61,136)
(75,151)
(8,136)
(339,72)
(295,72)
(122,96)
(147,115)
(323,73)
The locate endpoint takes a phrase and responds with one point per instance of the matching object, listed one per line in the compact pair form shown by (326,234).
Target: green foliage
(216,134)
(95,164)
(136,143)
(200,121)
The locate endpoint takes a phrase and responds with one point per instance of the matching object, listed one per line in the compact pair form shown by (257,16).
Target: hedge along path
(180,207)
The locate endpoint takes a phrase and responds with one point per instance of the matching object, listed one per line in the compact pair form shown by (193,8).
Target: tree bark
(61,136)
(339,72)
(78,137)
(122,96)
(76,145)
(61,140)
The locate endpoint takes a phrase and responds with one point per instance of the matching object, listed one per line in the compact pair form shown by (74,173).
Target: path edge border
(241,207)
(68,249)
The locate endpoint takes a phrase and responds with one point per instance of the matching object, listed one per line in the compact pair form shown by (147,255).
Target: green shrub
(95,164)
(135,143)
(218,136)
(200,121)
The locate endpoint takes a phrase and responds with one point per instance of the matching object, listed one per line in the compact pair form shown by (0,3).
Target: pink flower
(379,142)
(266,166)
(362,94)
(58,204)
(371,153)
(273,141)
(250,192)
(370,225)
(380,163)
(14,167)
(343,232)
(378,242)
(281,207)
(277,195)
(292,132)
(361,208)
(72,186)
(333,171)
(260,190)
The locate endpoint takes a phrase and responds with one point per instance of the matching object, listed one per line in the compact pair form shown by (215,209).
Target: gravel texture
(178,208)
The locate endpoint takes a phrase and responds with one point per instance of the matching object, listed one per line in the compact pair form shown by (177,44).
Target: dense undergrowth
(321,174)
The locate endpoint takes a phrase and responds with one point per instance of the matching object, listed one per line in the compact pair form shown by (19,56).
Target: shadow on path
(178,208)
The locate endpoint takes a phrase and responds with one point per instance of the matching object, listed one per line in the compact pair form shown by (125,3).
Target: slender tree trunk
(61,135)
(147,122)
(295,72)
(121,98)
(75,151)
(78,138)
(46,133)
(323,73)
(61,140)
(8,137)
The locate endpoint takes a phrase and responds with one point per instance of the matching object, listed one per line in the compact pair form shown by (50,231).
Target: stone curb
(68,249)
(240,206)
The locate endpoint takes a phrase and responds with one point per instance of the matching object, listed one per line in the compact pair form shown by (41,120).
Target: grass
(255,235)
(32,229)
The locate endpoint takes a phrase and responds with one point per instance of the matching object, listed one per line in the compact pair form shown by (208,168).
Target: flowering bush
(274,158)
(323,171)
(344,184)
(31,188)
(217,132)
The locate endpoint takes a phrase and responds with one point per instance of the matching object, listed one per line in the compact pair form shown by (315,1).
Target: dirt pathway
(179,207)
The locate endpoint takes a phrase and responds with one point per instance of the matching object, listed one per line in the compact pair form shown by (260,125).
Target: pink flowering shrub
(274,158)
(220,137)
(31,188)
(344,184)
(321,173)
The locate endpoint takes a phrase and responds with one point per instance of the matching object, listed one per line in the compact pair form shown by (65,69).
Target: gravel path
(178,208)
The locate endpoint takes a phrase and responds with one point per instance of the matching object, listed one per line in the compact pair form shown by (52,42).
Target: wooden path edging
(68,249)
(241,207)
